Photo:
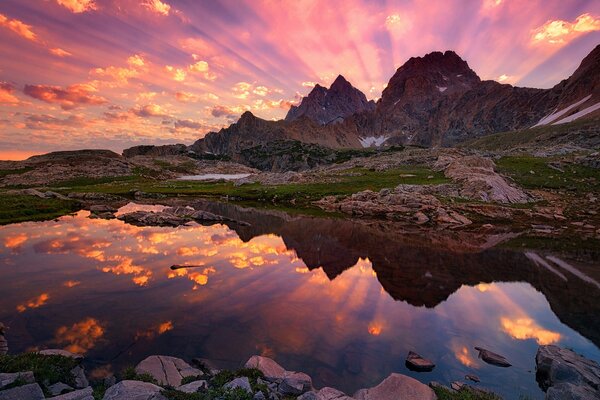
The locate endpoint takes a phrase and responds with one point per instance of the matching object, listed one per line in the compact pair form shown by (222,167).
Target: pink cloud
(78,6)
(19,27)
(68,98)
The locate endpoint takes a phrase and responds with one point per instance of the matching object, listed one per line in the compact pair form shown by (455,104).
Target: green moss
(130,374)
(46,369)
(87,181)
(464,394)
(534,173)
(565,243)
(18,208)
(190,379)
(223,377)
(211,394)
(19,171)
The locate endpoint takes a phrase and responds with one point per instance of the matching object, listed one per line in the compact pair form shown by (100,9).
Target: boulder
(395,387)
(565,374)
(291,387)
(7,379)
(32,391)
(59,352)
(167,370)
(83,394)
(192,387)
(80,378)
(415,362)
(492,358)
(241,383)
(58,388)
(270,369)
(328,393)
(133,390)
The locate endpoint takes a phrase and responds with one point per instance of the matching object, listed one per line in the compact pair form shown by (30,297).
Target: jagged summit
(327,106)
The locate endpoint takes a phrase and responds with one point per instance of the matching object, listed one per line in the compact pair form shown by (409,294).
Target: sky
(117,73)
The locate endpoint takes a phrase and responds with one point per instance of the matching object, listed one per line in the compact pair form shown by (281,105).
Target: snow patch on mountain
(557,114)
(442,89)
(579,114)
(373,141)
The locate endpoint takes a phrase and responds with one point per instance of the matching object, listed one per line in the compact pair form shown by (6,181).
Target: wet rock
(32,391)
(133,390)
(241,383)
(7,379)
(565,374)
(192,387)
(145,218)
(58,388)
(492,358)
(59,352)
(83,394)
(166,370)
(397,386)
(415,362)
(473,378)
(456,385)
(102,208)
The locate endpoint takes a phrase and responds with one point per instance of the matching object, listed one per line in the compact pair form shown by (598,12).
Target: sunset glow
(115,73)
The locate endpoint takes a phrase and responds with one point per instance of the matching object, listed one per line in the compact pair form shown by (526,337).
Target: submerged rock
(397,386)
(565,374)
(415,362)
(492,358)
(167,370)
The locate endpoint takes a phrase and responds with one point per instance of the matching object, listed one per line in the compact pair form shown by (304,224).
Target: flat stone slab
(33,391)
(58,388)
(59,352)
(192,387)
(83,394)
(415,362)
(7,379)
(167,370)
(395,387)
(133,390)
(492,358)
(241,383)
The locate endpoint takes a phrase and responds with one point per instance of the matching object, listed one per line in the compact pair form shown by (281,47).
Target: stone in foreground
(192,387)
(415,362)
(33,391)
(396,387)
(492,358)
(565,374)
(267,366)
(59,352)
(241,383)
(7,379)
(167,370)
(83,394)
(133,390)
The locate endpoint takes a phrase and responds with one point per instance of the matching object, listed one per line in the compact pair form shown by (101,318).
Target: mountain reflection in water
(343,301)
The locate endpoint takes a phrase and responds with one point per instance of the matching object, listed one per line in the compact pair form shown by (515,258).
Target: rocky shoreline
(60,375)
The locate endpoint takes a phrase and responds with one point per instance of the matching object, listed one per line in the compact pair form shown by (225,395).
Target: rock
(109,381)
(241,382)
(204,364)
(7,379)
(397,386)
(566,375)
(328,393)
(166,370)
(291,387)
(309,396)
(133,390)
(421,218)
(80,378)
(59,352)
(492,358)
(415,362)
(270,369)
(32,391)
(83,394)
(192,387)
(473,378)
(434,385)
(3,341)
(259,396)
(58,388)
(456,385)
(145,218)
(102,208)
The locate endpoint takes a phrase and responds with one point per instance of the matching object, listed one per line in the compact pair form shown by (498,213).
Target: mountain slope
(327,106)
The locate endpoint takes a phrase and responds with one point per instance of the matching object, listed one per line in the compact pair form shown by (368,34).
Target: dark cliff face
(435,100)
(327,106)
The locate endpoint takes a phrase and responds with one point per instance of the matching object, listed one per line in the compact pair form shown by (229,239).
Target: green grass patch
(464,394)
(130,374)
(19,171)
(46,369)
(87,181)
(19,208)
(210,394)
(562,244)
(534,173)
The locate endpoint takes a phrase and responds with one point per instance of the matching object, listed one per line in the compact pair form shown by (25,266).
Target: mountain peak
(326,106)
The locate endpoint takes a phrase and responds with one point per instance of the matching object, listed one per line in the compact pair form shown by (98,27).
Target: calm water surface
(339,300)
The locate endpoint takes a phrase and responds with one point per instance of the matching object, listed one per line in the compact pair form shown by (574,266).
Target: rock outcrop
(333,105)
(397,386)
(149,150)
(564,374)
(134,390)
(167,370)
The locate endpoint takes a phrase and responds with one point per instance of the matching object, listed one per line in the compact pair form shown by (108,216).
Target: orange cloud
(19,27)
(157,6)
(14,242)
(78,6)
(149,110)
(60,52)
(81,336)
(375,328)
(559,31)
(71,284)
(68,98)
(6,94)
(157,330)
(34,303)
(125,267)
(176,74)
(526,328)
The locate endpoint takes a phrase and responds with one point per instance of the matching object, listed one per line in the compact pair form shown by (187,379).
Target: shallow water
(342,301)
(211,177)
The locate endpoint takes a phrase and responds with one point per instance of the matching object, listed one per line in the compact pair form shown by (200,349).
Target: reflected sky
(105,289)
